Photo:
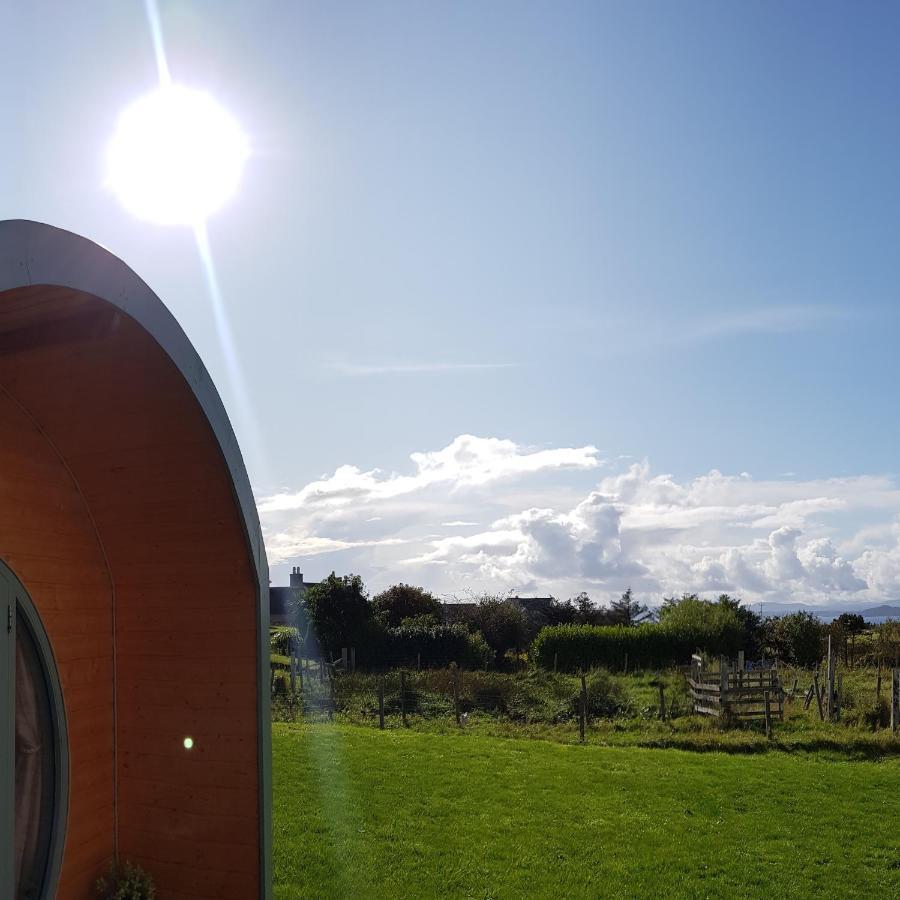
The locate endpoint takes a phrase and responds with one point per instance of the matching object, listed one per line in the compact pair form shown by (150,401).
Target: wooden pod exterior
(126,513)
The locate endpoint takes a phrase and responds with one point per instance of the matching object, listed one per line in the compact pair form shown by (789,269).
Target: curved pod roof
(122,483)
(33,253)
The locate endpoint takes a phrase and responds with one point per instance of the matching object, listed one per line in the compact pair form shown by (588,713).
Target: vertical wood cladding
(145,459)
(47,539)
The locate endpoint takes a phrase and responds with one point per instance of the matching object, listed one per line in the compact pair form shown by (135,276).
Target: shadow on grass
(852,748)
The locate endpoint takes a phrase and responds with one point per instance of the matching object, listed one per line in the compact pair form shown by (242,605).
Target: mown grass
(405,813)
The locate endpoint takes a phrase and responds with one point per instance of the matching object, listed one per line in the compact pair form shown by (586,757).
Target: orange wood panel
(58,559)
(145,459)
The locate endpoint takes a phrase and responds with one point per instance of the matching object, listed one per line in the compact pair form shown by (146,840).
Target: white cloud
(356,369)
(785,319)
(775,539)
(467,461)
(285,545)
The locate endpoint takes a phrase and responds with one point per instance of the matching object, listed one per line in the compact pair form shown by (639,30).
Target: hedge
(654,645)
(432,646)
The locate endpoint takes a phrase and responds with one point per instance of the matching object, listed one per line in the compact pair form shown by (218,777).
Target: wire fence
(316,691)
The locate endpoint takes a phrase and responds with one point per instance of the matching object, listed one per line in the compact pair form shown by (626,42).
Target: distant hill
(826,613)
(883,610)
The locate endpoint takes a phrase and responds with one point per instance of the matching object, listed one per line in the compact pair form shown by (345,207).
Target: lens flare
(176,156)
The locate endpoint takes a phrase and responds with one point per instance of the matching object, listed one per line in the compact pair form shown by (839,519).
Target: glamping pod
(134,720)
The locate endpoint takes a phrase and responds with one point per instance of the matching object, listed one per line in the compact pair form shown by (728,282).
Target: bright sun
(176,156)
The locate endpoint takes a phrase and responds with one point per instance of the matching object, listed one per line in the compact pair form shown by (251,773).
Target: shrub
(282,638)
(650,645)
(434,646)
(339,612)
(796,638)
(606,696)
(125,882)
(404,601)
(503,625)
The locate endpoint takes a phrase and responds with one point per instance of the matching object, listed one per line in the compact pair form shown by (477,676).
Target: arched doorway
(33,759)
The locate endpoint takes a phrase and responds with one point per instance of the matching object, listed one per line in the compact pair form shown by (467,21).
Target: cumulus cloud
(776,539)
(467,461)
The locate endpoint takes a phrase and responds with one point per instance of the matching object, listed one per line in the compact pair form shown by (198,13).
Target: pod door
(33,761)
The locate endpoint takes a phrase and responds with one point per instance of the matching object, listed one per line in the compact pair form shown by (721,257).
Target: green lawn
(364,813)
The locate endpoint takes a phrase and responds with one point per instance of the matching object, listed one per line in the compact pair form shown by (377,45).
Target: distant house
(281,599)
(457,612)
(535,608)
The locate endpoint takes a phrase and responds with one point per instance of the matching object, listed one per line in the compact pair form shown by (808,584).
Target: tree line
(405,625)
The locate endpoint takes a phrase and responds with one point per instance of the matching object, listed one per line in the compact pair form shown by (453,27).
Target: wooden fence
(734,693)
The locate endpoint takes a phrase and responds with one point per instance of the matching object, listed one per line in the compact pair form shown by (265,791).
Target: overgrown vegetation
(623,710)
(125,881)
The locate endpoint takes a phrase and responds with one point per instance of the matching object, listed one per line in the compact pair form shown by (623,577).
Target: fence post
(895,699)
(809,695)
(740,660)
(293,663)
(818,696)
(403,696)
(838,697)
(829,699)
(353,659)
(582,718)
(381,702)
(331,692)
(662,703)
(555,656)
(768,711)
(344,658)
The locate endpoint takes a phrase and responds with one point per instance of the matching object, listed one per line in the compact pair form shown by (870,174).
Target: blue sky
(663,231)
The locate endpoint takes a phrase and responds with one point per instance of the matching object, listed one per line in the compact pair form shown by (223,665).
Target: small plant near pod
(125,881)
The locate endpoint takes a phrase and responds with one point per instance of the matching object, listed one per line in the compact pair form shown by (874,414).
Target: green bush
(606,696)
(579,647)
(405,601)
(432,646)
(796,638)
(282,638)
(125,882)
(339,613)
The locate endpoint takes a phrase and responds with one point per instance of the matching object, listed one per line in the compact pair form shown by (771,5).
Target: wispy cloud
(762,320)
(624,335)
(421,368)
(286,545)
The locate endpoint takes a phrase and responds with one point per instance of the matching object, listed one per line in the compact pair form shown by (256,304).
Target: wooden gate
(734,693)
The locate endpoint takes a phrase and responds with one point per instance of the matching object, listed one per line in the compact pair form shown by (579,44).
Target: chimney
(296,577)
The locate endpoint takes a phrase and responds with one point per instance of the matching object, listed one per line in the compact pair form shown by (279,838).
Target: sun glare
(176,156)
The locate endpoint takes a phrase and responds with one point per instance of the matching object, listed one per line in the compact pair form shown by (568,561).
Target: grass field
(404,813)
